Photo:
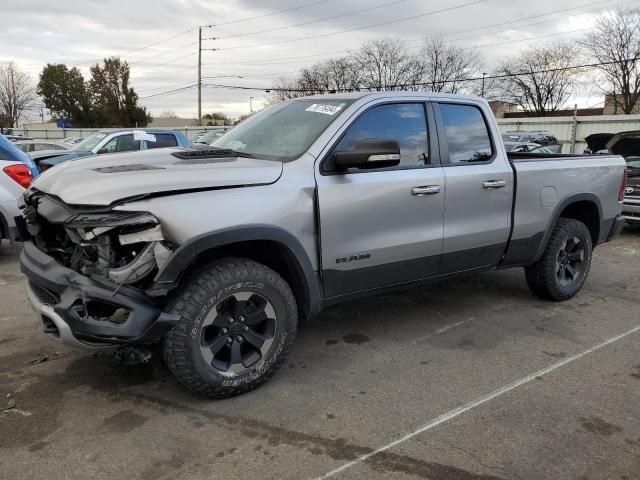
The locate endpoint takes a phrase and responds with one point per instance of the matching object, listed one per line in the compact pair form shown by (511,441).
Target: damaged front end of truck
(90,270)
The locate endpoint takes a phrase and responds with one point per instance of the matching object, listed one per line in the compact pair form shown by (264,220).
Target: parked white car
(14,178)
(30,146)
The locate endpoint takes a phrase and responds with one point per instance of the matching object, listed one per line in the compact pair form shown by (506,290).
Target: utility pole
(574,128)
(199,75)
(483,75)
(251,105)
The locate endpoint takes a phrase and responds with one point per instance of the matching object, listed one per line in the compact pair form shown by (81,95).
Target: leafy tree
(16,94)
(116,103)
(219,117)
(65,94)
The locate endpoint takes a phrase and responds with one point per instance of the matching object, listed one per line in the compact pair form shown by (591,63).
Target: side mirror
(102,150)
(369,153)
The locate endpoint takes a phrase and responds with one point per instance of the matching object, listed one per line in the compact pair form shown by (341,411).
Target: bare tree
(284,89)
(538,79)
(167,113)
(615,42)
(16,93)
(335,74)
(447,67)
(385,64)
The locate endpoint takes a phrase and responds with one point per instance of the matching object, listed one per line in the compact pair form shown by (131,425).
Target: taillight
(623,186)
(19,174)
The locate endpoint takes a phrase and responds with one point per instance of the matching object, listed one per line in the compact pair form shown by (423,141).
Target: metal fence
(569,130)
(62,133)
(572,130)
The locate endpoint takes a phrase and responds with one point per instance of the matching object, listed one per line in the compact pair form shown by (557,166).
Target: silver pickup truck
(213,254)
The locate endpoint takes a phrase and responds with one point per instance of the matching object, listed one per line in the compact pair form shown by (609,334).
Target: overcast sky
(81,32)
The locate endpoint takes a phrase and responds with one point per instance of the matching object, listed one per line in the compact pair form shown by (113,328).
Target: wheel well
(273,255)
(4,228)
(586,212)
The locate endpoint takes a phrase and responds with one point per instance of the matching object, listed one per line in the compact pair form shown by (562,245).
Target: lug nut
(224,330)
(241,318)
(229,340)
(239,338)
(245,328)
(230,320)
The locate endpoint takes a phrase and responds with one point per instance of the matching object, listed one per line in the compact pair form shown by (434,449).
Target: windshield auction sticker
(326,109)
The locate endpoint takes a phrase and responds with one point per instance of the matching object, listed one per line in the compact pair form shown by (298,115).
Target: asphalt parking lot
(473,378)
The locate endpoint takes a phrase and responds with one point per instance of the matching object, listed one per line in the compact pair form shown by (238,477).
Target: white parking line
(441,330)
(476,403)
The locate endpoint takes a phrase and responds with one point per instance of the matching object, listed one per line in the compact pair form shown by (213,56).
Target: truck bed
(545,184)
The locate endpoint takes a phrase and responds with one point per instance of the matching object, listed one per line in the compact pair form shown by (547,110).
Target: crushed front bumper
(88,312)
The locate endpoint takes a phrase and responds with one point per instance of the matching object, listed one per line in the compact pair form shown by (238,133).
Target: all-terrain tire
(199,298)
(550,277)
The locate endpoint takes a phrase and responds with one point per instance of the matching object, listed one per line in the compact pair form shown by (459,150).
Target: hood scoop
(136,167)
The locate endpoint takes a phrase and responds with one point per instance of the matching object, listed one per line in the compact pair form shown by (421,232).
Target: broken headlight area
(125,247)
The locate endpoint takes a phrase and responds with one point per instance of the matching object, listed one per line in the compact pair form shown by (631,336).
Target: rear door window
(467,134)
(163,140)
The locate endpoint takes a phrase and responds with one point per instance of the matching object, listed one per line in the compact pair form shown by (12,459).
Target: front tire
(238,322)
(563,268)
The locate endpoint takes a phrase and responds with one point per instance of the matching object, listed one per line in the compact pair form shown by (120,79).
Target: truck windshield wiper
(223,152)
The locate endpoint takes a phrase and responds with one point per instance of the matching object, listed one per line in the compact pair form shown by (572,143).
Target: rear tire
(238,322)
(564,266)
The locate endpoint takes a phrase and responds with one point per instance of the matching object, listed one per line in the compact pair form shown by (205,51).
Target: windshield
(90,142)
(284,131)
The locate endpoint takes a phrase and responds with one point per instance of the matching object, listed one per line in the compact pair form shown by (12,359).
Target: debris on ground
(10,404)
(38,360)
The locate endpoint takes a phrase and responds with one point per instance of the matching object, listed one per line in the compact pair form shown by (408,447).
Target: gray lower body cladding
(95,313)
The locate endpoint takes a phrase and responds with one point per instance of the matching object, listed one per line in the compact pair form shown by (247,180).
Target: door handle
(425,190)
(489,184)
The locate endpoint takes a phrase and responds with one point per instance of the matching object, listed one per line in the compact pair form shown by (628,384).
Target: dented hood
(106,179)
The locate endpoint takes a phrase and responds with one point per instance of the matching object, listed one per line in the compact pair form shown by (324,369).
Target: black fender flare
(187,253)
(578,197)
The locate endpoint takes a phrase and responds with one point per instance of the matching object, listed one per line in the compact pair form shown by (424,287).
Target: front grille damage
(117,247)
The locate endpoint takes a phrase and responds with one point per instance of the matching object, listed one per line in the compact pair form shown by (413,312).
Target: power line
(506,42)
(423,84)
(182,57)
(146,46)
(176,90)
(282,61)
(412,17)
(353,12)
(268,14)
(453,33)
(88,62)
(144,60)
